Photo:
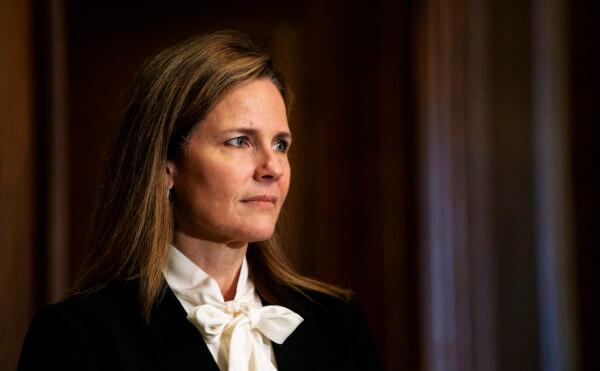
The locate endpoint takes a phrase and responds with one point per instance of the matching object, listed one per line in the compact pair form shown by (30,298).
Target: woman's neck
(220,261)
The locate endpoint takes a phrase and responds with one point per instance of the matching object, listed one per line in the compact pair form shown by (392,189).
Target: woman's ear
(170,172)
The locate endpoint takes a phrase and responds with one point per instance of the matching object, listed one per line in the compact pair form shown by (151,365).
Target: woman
(184,272)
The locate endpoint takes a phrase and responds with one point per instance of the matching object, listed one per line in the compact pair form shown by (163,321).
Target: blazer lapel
(174,340)
(179,345)
(296,353)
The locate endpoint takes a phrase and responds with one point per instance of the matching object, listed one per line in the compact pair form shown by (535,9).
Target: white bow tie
(236,320)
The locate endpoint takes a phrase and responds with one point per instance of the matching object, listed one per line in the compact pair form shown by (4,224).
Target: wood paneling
(498,264)
(16,179)
(430,165)
(52,136)
(555,241)
(583,65)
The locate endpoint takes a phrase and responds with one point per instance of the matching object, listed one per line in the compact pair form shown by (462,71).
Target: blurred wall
(441,161)
(17,152)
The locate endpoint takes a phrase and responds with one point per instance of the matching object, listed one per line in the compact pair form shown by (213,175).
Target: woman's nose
(269,167)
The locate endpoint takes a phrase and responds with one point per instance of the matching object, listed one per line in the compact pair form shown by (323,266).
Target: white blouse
(194,288)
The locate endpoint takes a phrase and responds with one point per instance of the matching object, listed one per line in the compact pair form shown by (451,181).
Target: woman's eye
(281,146)
(238,141)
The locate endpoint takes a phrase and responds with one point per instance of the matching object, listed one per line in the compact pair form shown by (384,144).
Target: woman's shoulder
(327,308)
(68,334)
(339,330)
(326,302)
(94,296)
(97,303)
(95,330)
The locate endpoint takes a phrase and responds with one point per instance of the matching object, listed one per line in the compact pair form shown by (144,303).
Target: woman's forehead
(255,106)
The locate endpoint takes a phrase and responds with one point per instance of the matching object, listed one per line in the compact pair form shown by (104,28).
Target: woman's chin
(260,234)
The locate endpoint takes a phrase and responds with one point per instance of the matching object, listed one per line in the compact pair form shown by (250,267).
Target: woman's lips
(263,201)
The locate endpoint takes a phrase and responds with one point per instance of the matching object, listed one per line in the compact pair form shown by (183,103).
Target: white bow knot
(235,331)
(236,320)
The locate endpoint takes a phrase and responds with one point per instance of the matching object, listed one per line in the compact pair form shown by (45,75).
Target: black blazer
(104,331)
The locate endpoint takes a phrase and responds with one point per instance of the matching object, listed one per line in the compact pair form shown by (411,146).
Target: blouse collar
(195,287)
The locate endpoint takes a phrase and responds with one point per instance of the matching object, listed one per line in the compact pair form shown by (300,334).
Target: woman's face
(230,185)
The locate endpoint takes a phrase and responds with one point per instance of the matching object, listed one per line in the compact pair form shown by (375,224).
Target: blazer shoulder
(66,334)
(324,304)
(339,327)
(56,337)
(331,314)
(105,303)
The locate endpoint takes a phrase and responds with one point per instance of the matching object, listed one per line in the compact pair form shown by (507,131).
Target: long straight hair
(134,222)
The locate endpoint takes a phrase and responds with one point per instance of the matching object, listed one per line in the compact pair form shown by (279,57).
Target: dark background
(442,161)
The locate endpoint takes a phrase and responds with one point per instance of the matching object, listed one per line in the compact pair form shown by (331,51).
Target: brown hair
(134,220)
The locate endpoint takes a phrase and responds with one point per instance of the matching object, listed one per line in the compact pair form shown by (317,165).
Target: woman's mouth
(262,201)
